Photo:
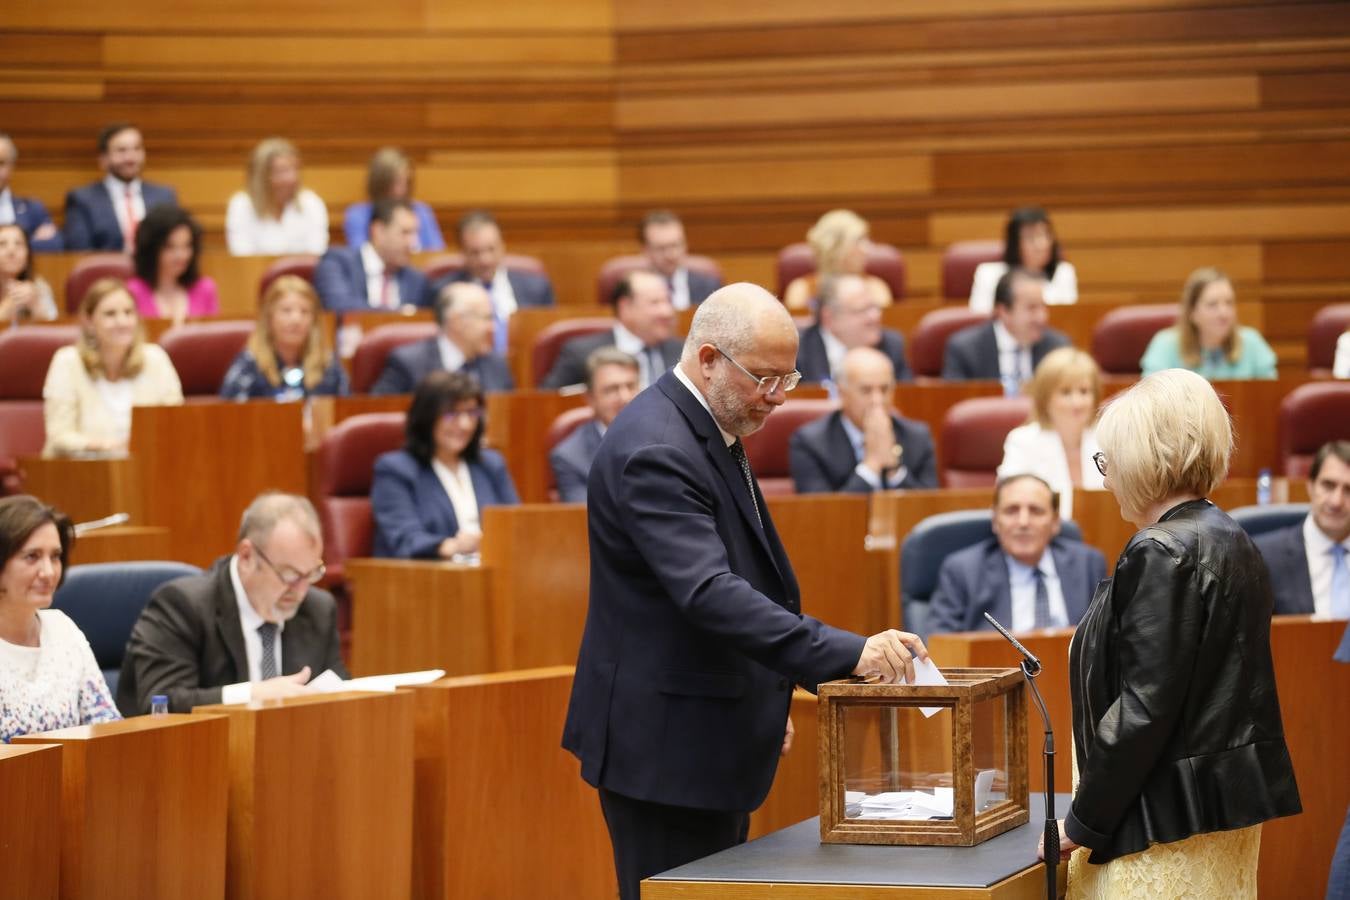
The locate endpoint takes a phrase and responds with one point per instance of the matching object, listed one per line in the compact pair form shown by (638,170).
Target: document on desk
(330,682)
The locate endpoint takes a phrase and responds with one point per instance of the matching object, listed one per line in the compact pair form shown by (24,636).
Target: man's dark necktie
(656,364)
(1042,619)
(268,667)
(738,453)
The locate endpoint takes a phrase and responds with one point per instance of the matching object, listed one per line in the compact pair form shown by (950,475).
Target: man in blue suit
(104,215)
(849,317)
(667,251)
(694,635)
(1026,576)
(611,383)
(378,275)
(26,212)
(464,313)
(1010,345)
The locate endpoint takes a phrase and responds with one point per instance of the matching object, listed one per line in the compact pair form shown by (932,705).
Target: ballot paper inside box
(890,774)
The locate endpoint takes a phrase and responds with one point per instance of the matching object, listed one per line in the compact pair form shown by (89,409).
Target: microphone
(106,522)
(1032,661)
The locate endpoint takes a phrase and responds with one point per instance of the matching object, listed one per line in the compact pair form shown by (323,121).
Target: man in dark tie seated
(644,328)
(104,215)
(26,212)
(849,317)
(664,244)
(378,276)
(1309,568)
(1026,575)
(1009,346)
(864,446)
(464,313)
(611,381)
(252,627)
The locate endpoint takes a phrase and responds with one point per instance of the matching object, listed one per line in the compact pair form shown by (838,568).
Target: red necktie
(131,220)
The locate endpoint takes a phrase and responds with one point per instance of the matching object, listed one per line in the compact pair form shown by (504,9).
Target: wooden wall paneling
(30,830)
(1307,260)
(681,182)
(825,538)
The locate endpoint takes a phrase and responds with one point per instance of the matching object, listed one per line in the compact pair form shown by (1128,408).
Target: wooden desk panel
(143,807)
(122,543)
(517,425)
(30,829)
(500,807)
(86,489)
(320,796)
(825,536)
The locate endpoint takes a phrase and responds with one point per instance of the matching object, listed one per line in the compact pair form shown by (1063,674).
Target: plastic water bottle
(1263,487)
(159,705)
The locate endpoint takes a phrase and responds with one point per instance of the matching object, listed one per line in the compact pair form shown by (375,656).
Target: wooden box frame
(965,688)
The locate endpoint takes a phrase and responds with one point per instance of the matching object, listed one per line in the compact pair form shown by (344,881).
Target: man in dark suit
(611,384)
(849,317)
(464,312)
(26,212)
(104,215)
(378,275)
(253,627)
(694,635)
(864,446)
(1308,573)
(662,235)
(1026,576)
(1010,345)
(644,325)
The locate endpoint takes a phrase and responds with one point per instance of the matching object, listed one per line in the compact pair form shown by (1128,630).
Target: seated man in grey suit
(104,215)
(864,446)
(379,275)
(464,312)
(664,244)
(611,381)
(1026,576)
(849,317)
(1010,345)
(644,328)
(1310,562)
(252,627)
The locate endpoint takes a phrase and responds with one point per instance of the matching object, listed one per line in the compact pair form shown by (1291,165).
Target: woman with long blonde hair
(839,240)
(1207,338)
(286,356)
(275,214)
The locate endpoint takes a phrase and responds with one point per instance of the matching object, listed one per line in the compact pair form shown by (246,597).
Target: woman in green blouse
(1207,338)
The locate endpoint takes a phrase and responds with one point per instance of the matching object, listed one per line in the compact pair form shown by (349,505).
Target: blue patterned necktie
(1042,617)
(738,453)
(1340,583)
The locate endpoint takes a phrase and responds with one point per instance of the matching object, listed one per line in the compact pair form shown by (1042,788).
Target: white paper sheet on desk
(926,672)
(330,682)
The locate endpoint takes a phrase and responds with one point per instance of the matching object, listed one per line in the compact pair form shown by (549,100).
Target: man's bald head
(867,379)
(866,362)
(736,317)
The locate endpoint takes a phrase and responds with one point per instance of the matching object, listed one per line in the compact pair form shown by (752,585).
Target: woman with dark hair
(167,283)
(1029,242)
(48,676)
(390,177)
(286,357)
(23,296)
(426,497)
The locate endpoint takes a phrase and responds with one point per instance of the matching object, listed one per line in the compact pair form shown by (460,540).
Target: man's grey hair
(268,509)
(721,324)
(452,297)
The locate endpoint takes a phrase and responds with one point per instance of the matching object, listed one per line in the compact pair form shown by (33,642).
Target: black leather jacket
(1175,717)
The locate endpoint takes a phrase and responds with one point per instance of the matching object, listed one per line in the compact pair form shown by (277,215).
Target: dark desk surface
(796,855)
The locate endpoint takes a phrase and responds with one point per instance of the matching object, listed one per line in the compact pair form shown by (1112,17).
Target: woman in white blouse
(92,385)
(1029,242)
(275,215)
(1340,367)
(1058,442)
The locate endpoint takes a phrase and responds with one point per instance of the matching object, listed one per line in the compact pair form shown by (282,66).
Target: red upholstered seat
(22,433)
(378,343)
(442,264)
(929,341)
(1311,415)
(346,464)
(1323,332)
(201,352)
(549,342)
(959,262)
(91,268)
(1122,335)
(25,356)
(767,449)
(618,266)
(883,261)
(562,427)
(301,264)
(973,432)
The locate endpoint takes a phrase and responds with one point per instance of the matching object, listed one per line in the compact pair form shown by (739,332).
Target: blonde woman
(1207,337)
(286,357)
(275,214)
(92,386)
(839,240)
(1058,442)
(1179,747)
(390,177)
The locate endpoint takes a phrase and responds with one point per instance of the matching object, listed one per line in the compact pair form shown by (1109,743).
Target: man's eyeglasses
(768,383)
(290,577)
(1100,459)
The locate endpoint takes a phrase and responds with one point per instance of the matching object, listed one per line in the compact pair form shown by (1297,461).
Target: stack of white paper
(902,804)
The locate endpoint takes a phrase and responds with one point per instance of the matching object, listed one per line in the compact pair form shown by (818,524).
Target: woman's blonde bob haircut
(1067,365)
(314,358)
(833,234)
(1167,436)
(89,351)
(260,172)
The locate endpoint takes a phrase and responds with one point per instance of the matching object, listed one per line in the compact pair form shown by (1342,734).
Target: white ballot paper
(902,804)
(926,672)
(331,682)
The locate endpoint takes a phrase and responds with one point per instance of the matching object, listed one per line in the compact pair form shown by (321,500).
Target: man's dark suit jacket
(30,215)
(1286,557)
(91,221)
(972,353)
(821,457)
(701,284)
(694,635)
(188,643)
(571,461)
(570,366)
(412,511)
(814,363)
(530,288)
(974,581)
(340,280)
(407,365)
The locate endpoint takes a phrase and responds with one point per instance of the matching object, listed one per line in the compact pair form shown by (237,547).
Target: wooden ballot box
(142,812)
(320,796)
(30,828)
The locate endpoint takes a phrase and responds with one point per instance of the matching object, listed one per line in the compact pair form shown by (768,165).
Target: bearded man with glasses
(252,627)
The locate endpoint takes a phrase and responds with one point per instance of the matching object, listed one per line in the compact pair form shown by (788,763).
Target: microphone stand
(1031,667)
